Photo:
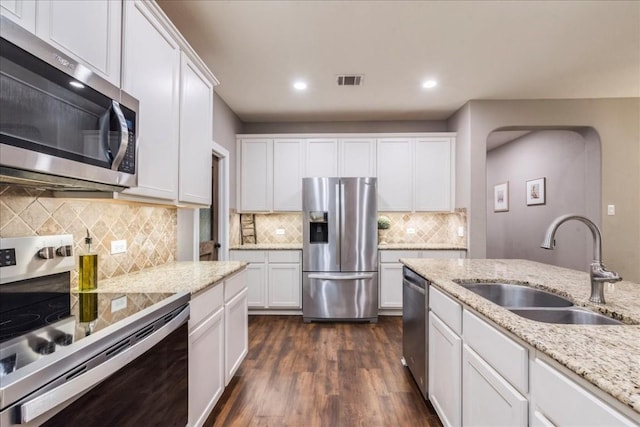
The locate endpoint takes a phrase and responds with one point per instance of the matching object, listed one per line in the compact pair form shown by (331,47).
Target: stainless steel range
(63,361)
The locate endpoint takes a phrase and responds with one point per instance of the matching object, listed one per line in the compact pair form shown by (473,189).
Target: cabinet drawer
(394,256)
(440,254)
(446,309)
(556,397)
(205,303)
(284,256)
(249,256)
(234,285)
(501,352)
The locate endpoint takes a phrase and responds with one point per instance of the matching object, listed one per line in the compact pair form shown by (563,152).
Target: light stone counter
(606,356)
(421,246)
(172,277)
(267,247)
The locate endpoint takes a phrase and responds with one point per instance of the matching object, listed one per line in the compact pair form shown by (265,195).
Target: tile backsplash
(429,227)
(150,231)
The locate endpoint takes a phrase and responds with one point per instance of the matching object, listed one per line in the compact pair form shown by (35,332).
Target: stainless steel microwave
(61,125)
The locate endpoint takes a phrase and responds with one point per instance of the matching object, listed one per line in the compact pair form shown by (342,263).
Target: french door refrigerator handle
(49,400)
(358,276)
(340,215)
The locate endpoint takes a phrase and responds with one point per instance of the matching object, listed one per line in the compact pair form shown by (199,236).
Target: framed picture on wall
(536,191)
(501,197)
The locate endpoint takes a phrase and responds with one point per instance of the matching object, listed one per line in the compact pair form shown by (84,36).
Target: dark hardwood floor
(323,374)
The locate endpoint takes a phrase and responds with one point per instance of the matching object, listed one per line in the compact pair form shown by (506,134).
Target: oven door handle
(79,385)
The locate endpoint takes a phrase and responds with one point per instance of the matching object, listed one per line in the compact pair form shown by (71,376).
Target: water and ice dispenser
(318,227)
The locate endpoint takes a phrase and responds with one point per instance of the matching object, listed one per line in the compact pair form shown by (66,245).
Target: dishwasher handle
(75,387)
(414,287)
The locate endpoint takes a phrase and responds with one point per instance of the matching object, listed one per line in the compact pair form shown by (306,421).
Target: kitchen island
(607,357)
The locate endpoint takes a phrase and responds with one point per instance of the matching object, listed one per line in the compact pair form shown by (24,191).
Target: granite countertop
(382,246)
(185,276)
(606,356)
(267,247)
(421,246)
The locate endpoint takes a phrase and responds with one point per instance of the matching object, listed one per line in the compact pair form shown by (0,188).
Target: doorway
(209,218)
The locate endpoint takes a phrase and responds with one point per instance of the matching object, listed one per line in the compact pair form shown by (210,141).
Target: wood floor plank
(322,375)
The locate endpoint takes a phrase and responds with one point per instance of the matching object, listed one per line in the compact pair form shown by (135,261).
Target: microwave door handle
(124,137)
(104,134)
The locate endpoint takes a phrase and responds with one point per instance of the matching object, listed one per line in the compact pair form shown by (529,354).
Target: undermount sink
(511,295)
(569,316)
(536,304)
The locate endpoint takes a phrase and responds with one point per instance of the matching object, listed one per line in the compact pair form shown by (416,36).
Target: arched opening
(568,161)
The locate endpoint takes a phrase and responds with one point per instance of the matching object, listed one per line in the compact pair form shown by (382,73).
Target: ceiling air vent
(350,79)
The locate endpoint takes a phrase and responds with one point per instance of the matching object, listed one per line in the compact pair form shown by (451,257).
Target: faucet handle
(600,273)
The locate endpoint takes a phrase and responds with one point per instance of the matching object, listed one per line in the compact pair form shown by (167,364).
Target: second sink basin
(514,296)
(572,316)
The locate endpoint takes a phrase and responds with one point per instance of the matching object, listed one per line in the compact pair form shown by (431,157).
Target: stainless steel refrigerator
(340,249)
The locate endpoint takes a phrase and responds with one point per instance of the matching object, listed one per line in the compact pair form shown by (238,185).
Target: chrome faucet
(598,272)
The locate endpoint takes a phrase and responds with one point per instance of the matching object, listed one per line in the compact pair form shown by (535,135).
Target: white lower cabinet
(274,278)
(557,400)
(218,343)
(206,353)
(487,398)
(236,338)
(390,272)
(445,352)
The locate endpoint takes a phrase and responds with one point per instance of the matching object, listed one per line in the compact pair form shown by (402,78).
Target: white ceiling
(475,49)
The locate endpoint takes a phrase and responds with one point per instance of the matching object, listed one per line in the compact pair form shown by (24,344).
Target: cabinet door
(487,398)
(151,73)
(206,367)
(395,188)
(284,286)
(390,285)
(321,157)
(433,174)
(89,31)
(256,175)
(22,12)
(556,397)
(236,336)
(445,352)
(257,285)
(287,175)
(196,118)
(357,157)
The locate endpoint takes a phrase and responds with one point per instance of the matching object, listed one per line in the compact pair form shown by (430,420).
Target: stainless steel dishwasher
(415,298)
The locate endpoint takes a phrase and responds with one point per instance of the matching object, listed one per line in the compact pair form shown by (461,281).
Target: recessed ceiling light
(76,84)
(300,85)
(428,84)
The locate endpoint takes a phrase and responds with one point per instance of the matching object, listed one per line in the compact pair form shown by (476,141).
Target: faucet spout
(598,272)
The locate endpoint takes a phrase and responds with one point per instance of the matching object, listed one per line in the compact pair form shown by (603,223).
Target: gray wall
(564,159)
(347,127)
(226,125)
(617,124)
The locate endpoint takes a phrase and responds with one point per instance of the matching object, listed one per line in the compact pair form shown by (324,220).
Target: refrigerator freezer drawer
(340,296)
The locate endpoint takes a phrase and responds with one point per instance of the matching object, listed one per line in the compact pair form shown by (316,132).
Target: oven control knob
(47,252)
(45,347)
(64,250)
(63,339)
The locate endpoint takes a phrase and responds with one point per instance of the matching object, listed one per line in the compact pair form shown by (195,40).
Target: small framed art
(501,197)
(536,192)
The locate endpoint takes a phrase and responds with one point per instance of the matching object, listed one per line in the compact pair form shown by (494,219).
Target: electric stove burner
(18,322)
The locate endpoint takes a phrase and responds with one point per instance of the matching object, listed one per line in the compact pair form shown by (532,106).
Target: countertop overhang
(606,356)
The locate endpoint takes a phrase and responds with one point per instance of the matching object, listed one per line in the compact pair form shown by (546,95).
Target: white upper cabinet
(321,157)
(433,169)
(287,174)
(395,183)
(22,12)
(196,105)
(151,73)
(255,175)
(88,31)
(357,157)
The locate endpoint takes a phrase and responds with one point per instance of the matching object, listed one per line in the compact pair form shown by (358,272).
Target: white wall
(617,124)
(562,157)
(226,125)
